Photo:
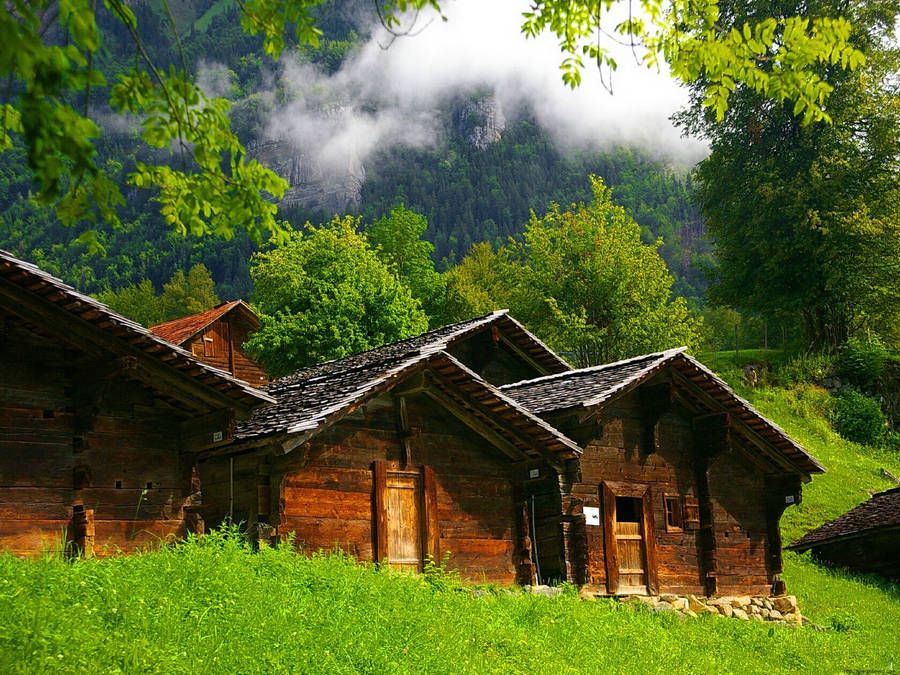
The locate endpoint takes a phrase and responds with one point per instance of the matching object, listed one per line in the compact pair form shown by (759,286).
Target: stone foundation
(781,609)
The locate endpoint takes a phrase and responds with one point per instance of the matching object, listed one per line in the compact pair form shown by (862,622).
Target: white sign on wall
(591,515)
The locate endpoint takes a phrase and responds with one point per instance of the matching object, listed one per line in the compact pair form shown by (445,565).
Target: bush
(804,369)
(861,362)
(859,418)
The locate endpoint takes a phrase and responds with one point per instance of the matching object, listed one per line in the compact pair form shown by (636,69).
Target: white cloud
(386,96)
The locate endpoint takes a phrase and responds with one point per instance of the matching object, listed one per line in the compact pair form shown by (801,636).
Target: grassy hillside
(214,606)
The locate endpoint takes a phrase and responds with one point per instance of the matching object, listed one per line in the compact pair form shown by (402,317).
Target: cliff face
(333,190)
(480,121)
(336,187)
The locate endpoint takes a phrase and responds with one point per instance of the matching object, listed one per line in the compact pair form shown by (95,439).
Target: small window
(149,485)
(628,510)
(197,349)
(118,485)
(674,516)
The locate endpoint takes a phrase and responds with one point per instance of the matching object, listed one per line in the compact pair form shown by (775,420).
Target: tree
(182,296)
(806,218)
(398,241)
(50,52)
(325,295)
(584,281)
(191,294)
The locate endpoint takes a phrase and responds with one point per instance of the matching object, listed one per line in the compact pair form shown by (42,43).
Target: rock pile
(782,609)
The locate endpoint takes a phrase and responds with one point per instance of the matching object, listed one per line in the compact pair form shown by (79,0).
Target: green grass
(218,9)
(213,606)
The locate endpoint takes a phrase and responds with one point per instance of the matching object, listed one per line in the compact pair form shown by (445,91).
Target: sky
(383,96)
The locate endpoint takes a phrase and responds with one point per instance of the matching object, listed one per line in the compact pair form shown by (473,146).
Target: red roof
(180,330)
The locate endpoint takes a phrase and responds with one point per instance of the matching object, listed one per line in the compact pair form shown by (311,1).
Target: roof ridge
(665,354)
(436,343)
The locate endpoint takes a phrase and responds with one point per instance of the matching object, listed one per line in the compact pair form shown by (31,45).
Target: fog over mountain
(390,91)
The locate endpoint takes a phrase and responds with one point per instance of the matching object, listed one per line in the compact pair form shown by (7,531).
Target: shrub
(859,418)
(804,369)
(861,362)
(844,622)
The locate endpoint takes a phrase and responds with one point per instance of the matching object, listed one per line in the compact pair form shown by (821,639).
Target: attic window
(674,516)
(197,349)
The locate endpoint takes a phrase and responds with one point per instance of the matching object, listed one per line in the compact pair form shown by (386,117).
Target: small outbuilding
(401,453)
(681,483)
(217,336)
(100,422)
(866,539)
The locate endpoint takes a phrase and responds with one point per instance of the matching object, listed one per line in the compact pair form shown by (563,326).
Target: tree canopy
(806,218)
(182,295)
(325,295)
(50,52)
(583,280)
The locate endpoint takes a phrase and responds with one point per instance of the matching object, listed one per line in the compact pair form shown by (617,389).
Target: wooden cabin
(217,336)
(680,486)
(865,539)
(100,422)
(399,453)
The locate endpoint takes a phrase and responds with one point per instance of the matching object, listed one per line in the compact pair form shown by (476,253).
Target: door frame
(609,491)
(429,523)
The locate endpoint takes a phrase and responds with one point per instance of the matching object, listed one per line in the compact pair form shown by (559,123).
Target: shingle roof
(179,330)
(311,398)
(584,387)
(881,511)
(131,335)
(310,394)
(588,387)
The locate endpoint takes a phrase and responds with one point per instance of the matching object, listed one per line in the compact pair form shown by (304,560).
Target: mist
(388,95)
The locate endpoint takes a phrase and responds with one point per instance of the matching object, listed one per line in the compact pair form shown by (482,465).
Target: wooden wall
(324,492)
(494,360)
(221,345)
(66,440)
(618,449)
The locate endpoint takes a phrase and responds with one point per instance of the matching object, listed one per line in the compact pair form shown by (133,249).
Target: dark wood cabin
(865,539)
(217,336)
(681,483)
(399,453)
(100,422)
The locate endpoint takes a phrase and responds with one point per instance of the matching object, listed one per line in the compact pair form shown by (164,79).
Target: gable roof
(178,331)
(314,397)
(588,387)
(21,282)
(881,511)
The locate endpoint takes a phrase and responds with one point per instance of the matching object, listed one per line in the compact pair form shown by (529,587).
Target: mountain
(477,178)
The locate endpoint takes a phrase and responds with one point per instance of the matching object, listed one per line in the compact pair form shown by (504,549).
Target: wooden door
(403,520)
(630,546)
(629,539)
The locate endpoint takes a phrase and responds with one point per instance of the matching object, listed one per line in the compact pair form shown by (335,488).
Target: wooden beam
(518,351)
(609,539)
(740,426)
(87,337)
(523,438)
(476,424)
(432,524)
(380,489)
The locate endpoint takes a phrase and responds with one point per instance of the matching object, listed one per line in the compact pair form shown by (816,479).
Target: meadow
(212,605)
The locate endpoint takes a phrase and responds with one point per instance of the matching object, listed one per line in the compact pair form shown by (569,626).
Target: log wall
(68,441)
(221,344)
(619,448)
(322,493)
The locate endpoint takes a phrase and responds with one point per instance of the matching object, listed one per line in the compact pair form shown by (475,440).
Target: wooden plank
(650,545)
(432,524)
(609,538)
(380,493)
